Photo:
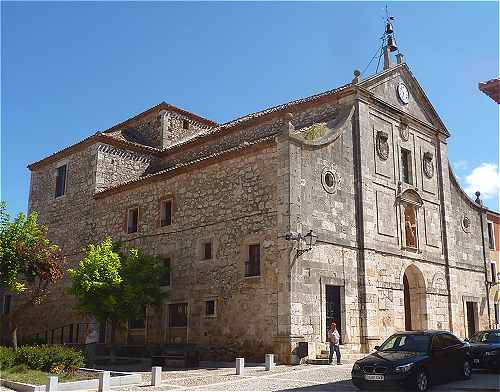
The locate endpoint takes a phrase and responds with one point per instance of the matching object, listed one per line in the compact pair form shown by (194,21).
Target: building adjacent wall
(232,203)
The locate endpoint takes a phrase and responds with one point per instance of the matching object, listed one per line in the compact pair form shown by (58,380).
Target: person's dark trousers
(336,348)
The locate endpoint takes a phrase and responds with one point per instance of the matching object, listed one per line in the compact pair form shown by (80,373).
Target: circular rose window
(329,181)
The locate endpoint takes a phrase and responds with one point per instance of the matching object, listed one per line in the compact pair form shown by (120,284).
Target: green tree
(30,264)
(115,287)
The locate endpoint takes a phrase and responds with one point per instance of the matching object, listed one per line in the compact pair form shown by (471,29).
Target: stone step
(317,361)
(351,357)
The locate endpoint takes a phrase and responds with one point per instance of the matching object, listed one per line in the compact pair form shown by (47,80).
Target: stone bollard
(269,361)
(156,376)
(104,382)
(52,384)
(240,366)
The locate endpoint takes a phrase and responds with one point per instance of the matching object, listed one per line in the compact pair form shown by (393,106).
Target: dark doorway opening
(471,319)
(407,303)
(333,309)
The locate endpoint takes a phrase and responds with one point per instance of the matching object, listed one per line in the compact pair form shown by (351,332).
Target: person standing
(334,339)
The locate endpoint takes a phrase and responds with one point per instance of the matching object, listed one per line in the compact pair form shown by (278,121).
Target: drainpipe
(486,283)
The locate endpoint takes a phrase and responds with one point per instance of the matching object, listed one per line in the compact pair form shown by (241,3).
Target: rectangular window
(210,308)
(132,220)
(491,235)
(61,180)
(166,213)
(406,171)
(166,279)
(6,304)
(252,266)
(494,277)
(185,124)
(177,315)
(139,323)
(207,250)
(497,313)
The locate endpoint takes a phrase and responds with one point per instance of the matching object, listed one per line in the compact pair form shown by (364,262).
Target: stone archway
(415,299)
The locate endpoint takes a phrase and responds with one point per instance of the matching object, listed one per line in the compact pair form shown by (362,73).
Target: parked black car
(414,360)
(485,350)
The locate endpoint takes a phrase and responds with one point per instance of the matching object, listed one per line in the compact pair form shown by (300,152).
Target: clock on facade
(403,93)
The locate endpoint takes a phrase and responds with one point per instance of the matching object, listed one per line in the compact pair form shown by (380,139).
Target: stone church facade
(398,244)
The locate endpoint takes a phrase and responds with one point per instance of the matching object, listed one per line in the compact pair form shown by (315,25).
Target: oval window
(329,181)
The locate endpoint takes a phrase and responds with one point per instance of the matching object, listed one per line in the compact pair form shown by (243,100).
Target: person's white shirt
(93,334)
(333,336)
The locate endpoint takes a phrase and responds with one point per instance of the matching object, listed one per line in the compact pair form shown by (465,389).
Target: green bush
(48,358)
(7,357)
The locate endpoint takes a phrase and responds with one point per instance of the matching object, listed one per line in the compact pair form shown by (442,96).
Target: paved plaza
(284,378)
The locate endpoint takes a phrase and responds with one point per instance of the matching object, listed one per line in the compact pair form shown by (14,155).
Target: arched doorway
(415,299)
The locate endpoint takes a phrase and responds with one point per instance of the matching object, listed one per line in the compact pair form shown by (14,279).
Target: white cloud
(484,178)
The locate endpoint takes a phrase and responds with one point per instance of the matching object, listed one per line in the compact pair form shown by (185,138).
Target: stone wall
(160,129)
(232,203)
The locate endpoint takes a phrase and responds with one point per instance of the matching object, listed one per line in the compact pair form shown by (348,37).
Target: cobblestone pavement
(284,378)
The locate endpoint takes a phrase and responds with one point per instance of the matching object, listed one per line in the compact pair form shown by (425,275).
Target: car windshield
(486,337)
(414,343)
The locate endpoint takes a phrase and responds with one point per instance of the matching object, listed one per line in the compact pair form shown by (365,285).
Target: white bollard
(52,384)
(156,376)
(104,382)
(240,366)
(269,361)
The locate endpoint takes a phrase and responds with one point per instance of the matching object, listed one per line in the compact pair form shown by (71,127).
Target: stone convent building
(339,206)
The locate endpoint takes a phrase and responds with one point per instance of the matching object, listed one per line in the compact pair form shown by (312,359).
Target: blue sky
(70,69)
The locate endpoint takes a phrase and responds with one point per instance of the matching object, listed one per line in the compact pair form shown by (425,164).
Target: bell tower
(389,41)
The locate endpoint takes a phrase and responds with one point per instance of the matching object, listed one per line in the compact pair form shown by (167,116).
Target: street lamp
(310,240)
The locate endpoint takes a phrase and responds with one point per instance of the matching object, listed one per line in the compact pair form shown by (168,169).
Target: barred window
(177,315)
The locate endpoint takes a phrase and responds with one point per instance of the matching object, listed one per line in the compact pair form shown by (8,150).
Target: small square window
(166,213)
(132,220)
(185,124)
(177,315)
(210,308)
(61,180)
(207,250)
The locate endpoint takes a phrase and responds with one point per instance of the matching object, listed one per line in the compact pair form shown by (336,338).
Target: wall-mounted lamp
(310,240)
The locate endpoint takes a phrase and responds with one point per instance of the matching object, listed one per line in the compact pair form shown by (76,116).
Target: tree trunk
(114,325)
(13,334)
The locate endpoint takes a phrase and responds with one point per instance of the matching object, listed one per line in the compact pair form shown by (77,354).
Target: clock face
(403,93)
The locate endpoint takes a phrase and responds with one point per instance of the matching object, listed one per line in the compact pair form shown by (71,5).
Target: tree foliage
(114,286)
(29,263)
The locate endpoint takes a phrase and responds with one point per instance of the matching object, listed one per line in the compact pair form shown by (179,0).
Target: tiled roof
(258,115)
(491,88)
(160,106)
(175,169)
(95,138)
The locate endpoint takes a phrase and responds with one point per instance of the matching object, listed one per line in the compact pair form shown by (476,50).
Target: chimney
(165,132)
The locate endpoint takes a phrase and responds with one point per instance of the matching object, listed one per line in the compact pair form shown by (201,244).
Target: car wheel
(421,381)
(466,370)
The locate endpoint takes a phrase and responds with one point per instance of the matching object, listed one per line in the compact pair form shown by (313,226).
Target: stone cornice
(98,137)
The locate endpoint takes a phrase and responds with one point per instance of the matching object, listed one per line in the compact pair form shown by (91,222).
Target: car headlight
(356,367)
(403,368)
(491,353)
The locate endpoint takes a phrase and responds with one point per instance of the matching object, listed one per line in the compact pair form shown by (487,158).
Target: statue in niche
(410,227)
